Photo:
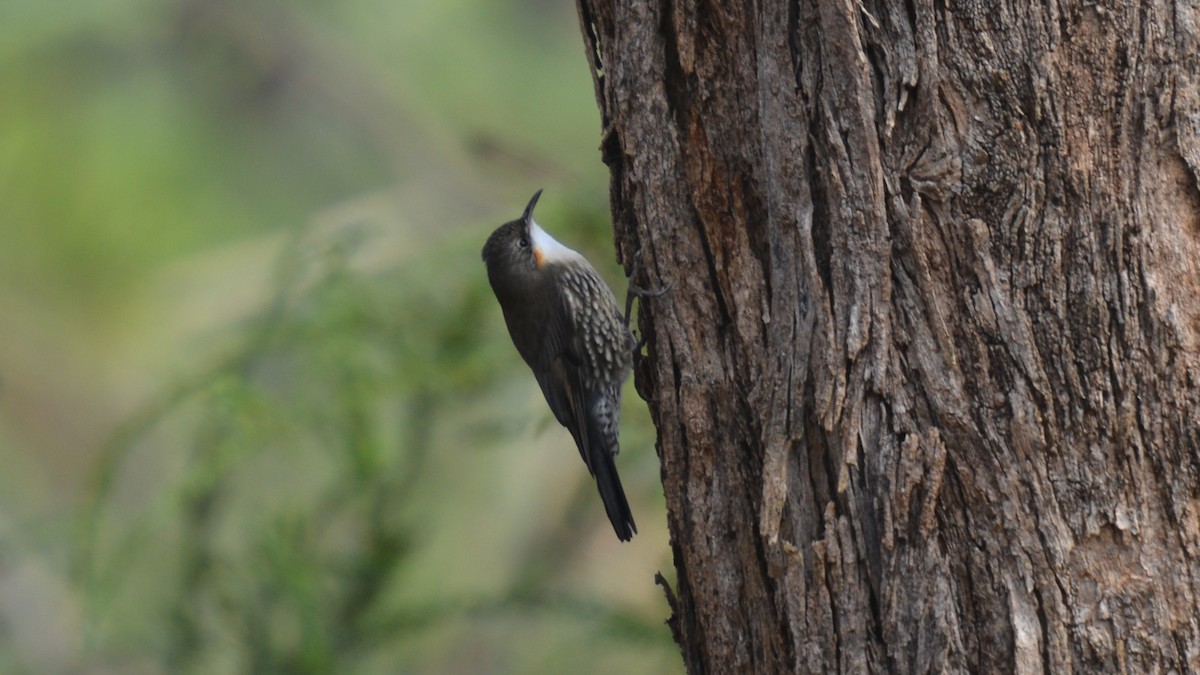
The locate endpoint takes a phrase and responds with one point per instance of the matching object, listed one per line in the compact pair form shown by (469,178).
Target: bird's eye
(524,242)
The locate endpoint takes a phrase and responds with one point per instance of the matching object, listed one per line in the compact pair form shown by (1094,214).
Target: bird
(565,323)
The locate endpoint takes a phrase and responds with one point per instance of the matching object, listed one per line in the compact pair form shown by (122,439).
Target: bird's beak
(528,215)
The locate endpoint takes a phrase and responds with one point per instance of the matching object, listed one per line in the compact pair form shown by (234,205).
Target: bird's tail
(613,496)
(602,430)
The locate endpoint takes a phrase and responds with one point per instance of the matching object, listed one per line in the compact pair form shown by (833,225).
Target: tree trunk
(927,378)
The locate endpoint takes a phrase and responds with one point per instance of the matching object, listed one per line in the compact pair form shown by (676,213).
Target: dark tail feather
(598,444)
(613,494)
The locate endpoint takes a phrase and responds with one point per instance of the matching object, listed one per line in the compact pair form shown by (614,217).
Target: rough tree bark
(927,381)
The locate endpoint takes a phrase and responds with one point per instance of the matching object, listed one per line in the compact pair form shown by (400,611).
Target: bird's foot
(633,290)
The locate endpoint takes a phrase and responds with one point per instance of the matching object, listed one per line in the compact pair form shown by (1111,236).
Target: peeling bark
(927,381)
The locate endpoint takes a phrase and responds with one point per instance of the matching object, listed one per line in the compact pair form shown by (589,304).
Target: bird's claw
(633,290)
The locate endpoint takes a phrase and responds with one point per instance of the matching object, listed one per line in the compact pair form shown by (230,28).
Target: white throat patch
(547,248)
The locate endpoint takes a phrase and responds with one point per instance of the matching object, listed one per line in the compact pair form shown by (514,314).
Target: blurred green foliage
(258,409)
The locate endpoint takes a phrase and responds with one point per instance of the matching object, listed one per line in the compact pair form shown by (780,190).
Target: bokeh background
(258,408)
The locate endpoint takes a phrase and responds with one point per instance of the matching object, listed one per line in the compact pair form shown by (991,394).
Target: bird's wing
(567,372)
(561,379)
(588,413)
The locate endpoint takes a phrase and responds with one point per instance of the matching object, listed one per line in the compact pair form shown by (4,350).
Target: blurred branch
(622,625)
(274,52)
(264,331)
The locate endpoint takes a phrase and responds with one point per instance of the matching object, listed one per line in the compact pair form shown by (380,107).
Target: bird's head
(520,250)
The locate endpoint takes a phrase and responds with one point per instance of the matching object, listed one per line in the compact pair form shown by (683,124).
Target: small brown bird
(566,324)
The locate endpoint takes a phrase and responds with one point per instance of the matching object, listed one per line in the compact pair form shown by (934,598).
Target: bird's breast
(600,335)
